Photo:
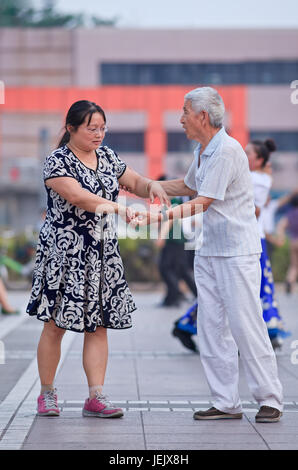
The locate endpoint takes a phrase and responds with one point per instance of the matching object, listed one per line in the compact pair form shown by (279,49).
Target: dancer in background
(6,308)
(289,223)
(174,265)
(258,154)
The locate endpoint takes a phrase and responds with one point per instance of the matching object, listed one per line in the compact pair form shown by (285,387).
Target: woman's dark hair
(264,149)
(77,114)
(294,201)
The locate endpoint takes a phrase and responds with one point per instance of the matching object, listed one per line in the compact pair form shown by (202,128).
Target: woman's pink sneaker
(47,404)
(100,407)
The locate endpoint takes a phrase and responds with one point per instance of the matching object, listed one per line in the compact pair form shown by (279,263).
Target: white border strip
(18,410)
(11,322)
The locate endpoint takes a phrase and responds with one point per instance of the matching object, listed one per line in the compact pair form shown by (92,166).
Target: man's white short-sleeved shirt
(229,224)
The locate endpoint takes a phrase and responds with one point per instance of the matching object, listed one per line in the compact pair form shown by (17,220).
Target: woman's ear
(69,128)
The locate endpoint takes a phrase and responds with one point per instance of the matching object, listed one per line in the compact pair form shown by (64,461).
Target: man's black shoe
(214,413)
(185,339)
(267,414)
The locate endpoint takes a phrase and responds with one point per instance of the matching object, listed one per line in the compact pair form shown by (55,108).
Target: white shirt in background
(262,184)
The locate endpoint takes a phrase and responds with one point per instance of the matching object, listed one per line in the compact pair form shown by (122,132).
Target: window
(285,141)
(178,142)
(125,141)
(270,72)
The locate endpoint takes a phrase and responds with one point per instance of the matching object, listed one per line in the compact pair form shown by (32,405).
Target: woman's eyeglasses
(97,130)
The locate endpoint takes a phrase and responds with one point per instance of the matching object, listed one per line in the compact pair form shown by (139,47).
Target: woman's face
(254,162)
(89,136)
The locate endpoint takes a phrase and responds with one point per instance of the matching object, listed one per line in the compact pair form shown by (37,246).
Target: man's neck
(204,141)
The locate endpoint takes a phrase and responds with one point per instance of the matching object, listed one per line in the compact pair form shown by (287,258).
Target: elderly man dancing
(227,267)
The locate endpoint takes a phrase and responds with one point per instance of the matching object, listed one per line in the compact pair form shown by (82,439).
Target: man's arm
(190,208)
(177,188)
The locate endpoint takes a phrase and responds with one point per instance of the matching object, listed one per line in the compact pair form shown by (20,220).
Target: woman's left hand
(145,218)
(127,214)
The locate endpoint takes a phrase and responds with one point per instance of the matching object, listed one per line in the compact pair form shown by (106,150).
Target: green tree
(21,13)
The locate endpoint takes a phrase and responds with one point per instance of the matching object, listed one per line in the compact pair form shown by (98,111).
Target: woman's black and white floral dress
(78,279)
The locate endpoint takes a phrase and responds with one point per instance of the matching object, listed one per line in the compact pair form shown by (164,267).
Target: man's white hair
(207,99)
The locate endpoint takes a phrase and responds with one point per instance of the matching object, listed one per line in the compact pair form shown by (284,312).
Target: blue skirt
(269,304)
(188,322)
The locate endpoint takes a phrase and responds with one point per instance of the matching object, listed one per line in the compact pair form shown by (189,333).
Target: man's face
(192,122)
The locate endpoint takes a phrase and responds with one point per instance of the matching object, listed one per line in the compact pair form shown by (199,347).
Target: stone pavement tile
(211,437)
(77,421)
(179,419)
(197,430)
(199,446)
(81,429)
(278,429)
(284,446)
(109,428)
(281,435)
(165,383)
(291,439)
(92,436)
(137,445)
(197,399)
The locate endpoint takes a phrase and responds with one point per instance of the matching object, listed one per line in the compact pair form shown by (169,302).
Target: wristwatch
(164,213)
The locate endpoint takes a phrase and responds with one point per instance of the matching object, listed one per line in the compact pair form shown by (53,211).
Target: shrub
(280,262)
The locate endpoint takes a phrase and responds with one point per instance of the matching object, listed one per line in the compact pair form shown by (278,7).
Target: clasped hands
(142,218)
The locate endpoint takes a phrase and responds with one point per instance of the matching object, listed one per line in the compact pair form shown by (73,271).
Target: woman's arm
(143,187)
(282,201)
(72,191)
(281,229)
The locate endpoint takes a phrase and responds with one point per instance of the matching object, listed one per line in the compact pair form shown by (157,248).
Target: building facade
(140,78)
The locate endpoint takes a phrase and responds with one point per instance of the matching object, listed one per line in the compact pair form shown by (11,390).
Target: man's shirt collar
(212,144)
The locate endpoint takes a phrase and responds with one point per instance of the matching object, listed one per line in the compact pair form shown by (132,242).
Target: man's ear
(204,117)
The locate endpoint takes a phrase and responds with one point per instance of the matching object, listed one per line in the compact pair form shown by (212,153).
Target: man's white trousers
(230,319)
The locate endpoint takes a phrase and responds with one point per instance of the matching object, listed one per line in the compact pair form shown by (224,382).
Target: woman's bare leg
(95,358)
(48,353)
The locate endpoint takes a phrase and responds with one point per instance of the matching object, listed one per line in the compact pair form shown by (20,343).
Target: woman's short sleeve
(119,166)
(57,164)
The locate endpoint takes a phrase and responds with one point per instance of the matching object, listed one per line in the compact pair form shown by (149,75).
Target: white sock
(46,388)
(94,390)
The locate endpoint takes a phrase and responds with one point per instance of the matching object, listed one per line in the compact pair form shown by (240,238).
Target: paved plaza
(157,382)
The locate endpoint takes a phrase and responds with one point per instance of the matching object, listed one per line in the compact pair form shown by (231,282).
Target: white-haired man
(227,267)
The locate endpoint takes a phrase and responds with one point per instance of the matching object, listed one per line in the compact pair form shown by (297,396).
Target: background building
(139,77)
